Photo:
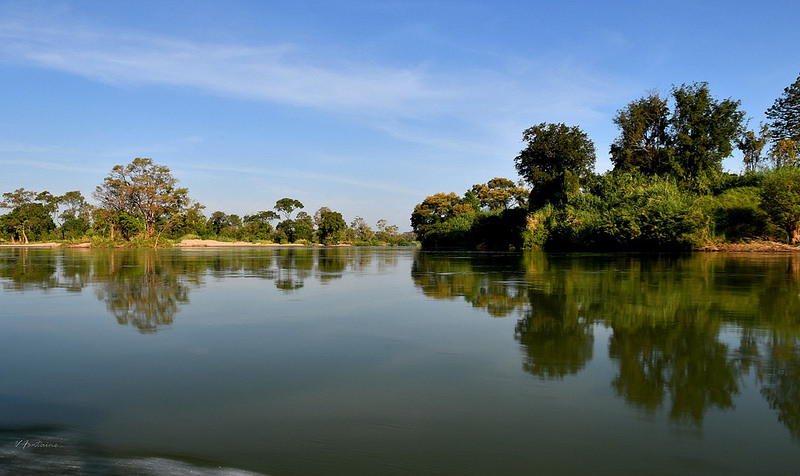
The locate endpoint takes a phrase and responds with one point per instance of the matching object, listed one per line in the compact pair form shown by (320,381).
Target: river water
(397,361)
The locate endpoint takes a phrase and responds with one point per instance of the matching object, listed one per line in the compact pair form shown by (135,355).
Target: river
(320,361)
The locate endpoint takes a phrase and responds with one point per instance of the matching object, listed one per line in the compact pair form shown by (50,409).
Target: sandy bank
(32,245)
(229,244)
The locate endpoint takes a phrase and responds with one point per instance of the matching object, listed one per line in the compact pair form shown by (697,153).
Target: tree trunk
(794,234)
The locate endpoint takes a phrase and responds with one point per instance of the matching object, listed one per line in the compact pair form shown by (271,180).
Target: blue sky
(365,107)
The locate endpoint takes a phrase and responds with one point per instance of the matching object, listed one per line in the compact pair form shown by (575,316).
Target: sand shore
(182,244)
(753,247)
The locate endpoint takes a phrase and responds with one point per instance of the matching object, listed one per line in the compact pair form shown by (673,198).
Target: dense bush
(780,200)
(621,212)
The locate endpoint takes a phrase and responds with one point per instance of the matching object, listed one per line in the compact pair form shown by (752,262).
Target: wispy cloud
(281,73)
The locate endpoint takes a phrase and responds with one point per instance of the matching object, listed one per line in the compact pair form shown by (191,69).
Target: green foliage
(644,144)
(497,194)
(27,222)
(144,191)
(621,212)
(689,144)
(784,114)
(736,213)
(331,226)
(780,199)
(704,130)
(287,206)
(555,161)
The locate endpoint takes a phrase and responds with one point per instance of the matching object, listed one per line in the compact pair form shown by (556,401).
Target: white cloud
(279,73)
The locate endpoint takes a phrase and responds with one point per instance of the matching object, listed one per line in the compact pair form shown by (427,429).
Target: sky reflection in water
(397,361)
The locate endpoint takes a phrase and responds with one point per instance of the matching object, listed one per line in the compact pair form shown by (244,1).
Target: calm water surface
(397,361)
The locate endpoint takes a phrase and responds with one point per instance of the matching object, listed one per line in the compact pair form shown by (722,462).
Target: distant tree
(76,215)
(318,215)
(190,221)
(360,230)
(784,114)
(784,152)
(259,225)
(434,209)
(780,198)
(331,226)
(752,144)
(500,194)
(442,214)
(644,144)
(222,224)
(555,161)
(27,219)
(304,226)
(286,206)
(301,228)
(688,143)
(387,233)
(704,131)
(142,190)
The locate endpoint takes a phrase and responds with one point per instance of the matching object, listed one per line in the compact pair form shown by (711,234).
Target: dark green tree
(644,144)
(286,206)
(784,114)
(704,131)
(780,198)
(259,225)
(28,219)
(331,226)
(751,144)
(499,194)
(555,161)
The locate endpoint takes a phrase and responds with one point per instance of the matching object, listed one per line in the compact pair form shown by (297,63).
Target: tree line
(141,204)
(666,191)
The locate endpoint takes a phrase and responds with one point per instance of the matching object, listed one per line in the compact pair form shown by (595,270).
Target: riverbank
(191,243)
(751,247)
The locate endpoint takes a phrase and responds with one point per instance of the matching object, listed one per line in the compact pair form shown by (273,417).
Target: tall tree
(644,144)
(704,130)
(331,226)
(500,193)
(555,161)
(28,219)
(286,206)
(751,144)
(784,114)
(144,190)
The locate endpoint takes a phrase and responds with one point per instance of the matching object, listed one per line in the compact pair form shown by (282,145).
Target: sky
(364,106)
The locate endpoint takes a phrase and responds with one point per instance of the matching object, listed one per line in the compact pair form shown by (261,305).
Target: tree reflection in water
(141,288)
(674,321)
(146,288)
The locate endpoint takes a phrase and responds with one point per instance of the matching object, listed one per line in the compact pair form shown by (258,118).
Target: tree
(223,224)
(259,225)
(780,198)
(555,161)
(142,190)
(28,219)
(784,114)
(704,131)
(499,194)
(434,209)
(751,144)
(77,214)
(286,206)
(644,144)
(301,228)
(331,226)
